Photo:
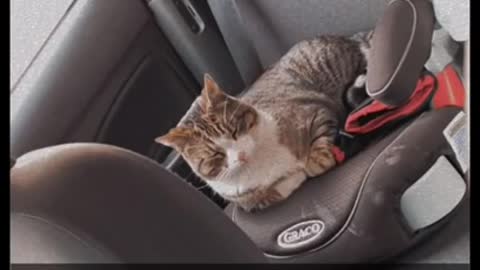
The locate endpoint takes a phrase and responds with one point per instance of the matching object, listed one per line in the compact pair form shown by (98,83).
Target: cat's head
(218,137)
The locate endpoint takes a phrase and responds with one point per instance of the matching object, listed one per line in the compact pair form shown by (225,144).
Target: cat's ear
(176,138)
(250,118)
(212,94)
(247,118)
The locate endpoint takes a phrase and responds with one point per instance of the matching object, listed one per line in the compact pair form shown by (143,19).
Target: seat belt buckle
(345,134)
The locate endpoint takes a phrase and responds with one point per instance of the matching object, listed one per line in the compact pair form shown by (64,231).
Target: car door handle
(190,15)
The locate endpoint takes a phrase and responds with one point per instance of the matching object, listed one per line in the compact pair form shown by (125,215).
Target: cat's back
(319,68)
(303,90)
(323,60)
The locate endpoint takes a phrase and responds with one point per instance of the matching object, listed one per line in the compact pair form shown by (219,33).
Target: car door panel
(101,51)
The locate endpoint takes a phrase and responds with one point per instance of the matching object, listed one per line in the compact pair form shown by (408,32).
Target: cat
(255,150)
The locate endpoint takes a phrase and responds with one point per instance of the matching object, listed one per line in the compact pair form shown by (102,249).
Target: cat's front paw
(261,200)
(320,160)
(275,194)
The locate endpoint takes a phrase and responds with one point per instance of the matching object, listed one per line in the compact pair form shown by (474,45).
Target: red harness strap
(339,154)
(449,92)
(420,96)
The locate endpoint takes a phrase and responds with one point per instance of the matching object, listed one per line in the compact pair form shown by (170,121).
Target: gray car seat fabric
(69,198)
(259,32)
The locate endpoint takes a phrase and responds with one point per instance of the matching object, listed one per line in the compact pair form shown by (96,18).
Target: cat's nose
(242,157)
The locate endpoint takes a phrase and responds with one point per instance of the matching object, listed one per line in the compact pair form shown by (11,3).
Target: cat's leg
(320,158)
(287,186)
(282,190)
(259,199)
(268,198)
(274,194)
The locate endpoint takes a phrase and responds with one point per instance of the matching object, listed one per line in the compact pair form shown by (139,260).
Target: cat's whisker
(221,175)
(225,176)
(225,111)
(202,187)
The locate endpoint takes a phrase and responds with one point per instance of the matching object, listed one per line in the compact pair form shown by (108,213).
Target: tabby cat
(255,150)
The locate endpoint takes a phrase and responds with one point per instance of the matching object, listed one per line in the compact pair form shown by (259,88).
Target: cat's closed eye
(218,155)
(213,165)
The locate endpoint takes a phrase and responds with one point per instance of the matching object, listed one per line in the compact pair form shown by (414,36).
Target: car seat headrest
(401,45)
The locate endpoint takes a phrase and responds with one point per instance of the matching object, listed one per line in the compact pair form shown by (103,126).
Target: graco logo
(300,234)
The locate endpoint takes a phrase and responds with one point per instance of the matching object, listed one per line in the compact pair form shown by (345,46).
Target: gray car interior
(88,183)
